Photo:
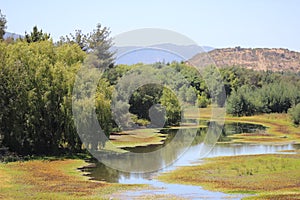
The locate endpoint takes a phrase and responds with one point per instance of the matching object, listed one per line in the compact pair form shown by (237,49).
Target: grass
(268,176)
(280,128)
(59,179)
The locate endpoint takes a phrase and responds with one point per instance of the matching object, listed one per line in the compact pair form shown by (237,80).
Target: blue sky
(217,23)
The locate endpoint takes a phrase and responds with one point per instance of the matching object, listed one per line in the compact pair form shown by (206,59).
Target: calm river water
(188,158)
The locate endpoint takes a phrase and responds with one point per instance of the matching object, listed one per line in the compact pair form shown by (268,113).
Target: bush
(140,122)
(202,101)
(295,114)
(241,102)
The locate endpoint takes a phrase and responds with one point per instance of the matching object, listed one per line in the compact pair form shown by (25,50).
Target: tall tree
(36,35)
(2,25)
(98,41)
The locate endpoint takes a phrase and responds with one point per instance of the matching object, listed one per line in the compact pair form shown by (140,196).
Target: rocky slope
(258,59)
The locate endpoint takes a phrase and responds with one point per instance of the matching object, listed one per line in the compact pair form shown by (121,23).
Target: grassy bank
(280,127)
(59,179)
(268,176)
(280,130)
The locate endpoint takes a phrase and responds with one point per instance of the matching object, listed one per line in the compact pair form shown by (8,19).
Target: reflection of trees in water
(150,158)
(139,162)
(230,129)
(104,173)
(158,156)
(238,128)
(212,134)
(201,133)
(169,152)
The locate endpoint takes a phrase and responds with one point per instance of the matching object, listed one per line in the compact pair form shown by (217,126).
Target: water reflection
(191,157)
(170,153)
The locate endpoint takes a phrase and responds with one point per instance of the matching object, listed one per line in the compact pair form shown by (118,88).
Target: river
(188,158)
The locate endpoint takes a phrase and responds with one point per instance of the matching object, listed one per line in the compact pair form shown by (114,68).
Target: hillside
(275,59)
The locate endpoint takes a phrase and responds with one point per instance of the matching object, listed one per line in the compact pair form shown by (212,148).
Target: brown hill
(257,59)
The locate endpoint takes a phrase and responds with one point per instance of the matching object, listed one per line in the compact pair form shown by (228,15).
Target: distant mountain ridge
(12,35)
(157,53)
(274,59)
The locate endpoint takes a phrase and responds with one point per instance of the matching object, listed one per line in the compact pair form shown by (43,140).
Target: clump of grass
(140,122)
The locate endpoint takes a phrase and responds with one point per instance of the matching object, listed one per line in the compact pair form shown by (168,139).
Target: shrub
(202,101)
(295,114)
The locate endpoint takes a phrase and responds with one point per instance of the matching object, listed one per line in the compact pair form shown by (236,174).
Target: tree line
(255,92)
(37,80)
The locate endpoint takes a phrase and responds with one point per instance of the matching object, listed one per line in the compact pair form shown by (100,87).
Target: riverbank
(60,179)
(141,137)
(280,130)
(280,127)
(57,179)
(265,176)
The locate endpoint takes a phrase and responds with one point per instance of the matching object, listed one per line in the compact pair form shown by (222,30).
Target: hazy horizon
(220,24)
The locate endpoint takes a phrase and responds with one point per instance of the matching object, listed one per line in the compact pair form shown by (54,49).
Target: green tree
(295,114)
(37,80)
(214,83)
(240,102)
(230,78)
(202,101)
(172,107)
(145,97)
(35,106)
(277,97)
(2,25)
(78,38)
(191,95)
(98,41)
(36,35)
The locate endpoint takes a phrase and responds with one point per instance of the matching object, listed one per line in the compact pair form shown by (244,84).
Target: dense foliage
(254,92)
(295,113)
(152,85)
(36,85)
(37,78)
